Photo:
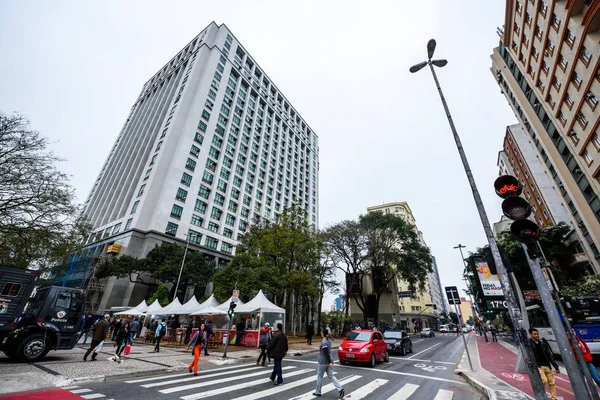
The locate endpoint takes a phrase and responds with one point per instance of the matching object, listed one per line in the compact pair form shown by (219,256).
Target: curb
(105,378)
(485,390)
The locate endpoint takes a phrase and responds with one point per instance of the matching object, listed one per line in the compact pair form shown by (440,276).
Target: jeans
(277,371)
(238,339)
(322,369)
(87,333)
(157,347)
(263,355)
(594,373)
(205,347)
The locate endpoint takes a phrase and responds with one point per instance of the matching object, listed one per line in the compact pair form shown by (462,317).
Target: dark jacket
(546,350)
(310,331)
(279,345)
(209,332)
(123,337)
(89,322)
(101,330)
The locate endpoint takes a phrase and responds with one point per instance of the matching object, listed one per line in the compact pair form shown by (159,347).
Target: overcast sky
(75,69)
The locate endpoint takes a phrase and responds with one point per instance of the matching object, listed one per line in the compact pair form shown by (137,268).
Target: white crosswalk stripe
(404,393)
(243,382)
(327,388)
(84,393)
(93,396)
(79,391)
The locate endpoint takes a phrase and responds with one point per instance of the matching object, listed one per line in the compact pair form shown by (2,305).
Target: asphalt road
(426,374)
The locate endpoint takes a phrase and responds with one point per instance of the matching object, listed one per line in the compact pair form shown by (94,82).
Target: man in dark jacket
(100,331)
(277,350)
(87,327)
(239,331)
(544,359)
(135,328)
(310,332)
(209,335)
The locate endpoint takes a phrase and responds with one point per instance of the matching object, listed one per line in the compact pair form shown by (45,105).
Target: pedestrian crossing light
(232,306)
(517,208)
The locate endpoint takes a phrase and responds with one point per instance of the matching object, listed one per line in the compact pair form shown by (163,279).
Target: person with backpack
(278,349)
(209,335)
(263,342)
(325,365)
(197,343)
(161,331)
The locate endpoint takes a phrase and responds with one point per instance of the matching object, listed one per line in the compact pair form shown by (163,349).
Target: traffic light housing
(232,306)
(517,208)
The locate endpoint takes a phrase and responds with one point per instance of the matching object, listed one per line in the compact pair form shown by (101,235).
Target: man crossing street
(100,331)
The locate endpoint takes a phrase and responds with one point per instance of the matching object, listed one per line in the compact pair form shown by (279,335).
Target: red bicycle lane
(42,394)
(500,361)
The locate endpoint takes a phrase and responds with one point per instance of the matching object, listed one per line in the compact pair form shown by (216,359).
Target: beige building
(547,66)
(465,308)
(408,312)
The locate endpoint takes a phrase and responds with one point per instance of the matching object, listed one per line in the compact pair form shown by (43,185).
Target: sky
(75,69)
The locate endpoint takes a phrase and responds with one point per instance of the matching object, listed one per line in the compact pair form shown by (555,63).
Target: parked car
(444,329)
(467,328)
(398,342)
(427,332)
(363,346)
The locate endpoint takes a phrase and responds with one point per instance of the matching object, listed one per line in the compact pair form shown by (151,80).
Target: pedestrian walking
(100,332)
(264,339)
(161,331)
(188,331)
(239,331)
(197,342)
(325,365)
(116,328)
(277,350)
(122,339)
(588,359)
(310,332)
(209,335)
(494,333)
(87,327)
(135,328)
(545,359)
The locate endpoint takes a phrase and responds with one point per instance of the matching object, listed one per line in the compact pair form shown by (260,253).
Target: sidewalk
(66,367)
(493,372)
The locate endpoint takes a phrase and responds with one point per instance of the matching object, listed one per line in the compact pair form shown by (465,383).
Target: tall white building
(210,146)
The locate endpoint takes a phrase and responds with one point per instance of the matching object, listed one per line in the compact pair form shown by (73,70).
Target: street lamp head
(417,67)
(430,48)
(440,63)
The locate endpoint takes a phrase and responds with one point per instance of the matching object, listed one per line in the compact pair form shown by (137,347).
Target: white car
(444,329)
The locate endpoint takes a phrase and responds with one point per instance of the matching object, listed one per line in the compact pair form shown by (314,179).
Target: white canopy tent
(189,307)
(140,309)
(155,309)
(172,308)
(210,302)
(225,305)
(259,302)
(210,311)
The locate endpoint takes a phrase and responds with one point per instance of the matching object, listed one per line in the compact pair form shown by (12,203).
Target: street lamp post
(513,307)
(462,257)
(187,243)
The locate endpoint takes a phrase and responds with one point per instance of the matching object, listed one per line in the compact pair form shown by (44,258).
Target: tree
(471,321)
(453,317)
(444,318)
(590,286)
(161,294)
(39,220)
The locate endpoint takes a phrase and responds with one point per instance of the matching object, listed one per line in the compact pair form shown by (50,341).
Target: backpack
(163,330)
(264,339)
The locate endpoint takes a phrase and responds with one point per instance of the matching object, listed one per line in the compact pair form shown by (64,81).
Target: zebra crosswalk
(243,382)
(85,393)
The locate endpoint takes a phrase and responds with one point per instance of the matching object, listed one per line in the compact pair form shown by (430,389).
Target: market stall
(265,311)
(219,318)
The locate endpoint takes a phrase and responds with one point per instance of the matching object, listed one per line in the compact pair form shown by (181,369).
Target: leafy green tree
(590,286)
(453,317)
(162,294)
(471,321)
(444,318)
(40,223)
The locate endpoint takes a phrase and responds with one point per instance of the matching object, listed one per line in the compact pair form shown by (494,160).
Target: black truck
(32,325)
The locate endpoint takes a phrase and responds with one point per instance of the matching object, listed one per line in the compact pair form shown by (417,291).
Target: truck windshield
(69,301)
(36,302)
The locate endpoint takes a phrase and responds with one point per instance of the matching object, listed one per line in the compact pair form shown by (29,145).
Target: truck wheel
(33,348)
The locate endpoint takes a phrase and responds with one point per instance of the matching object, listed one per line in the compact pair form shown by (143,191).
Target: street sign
(452,294)
(406,293)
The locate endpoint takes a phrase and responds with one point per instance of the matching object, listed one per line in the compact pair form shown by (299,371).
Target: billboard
(490,284)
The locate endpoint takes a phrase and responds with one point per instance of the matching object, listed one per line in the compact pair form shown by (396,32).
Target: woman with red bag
(588,358)
(197,341)
(122,340)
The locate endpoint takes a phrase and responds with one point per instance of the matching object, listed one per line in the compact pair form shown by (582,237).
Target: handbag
(99,347)
(127,349)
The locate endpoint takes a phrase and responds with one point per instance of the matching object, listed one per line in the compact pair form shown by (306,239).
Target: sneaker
(316,394)
(277,383)
(191,371)
(272,380)
(342,393)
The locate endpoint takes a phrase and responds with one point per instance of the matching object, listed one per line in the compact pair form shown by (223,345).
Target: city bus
(583,314)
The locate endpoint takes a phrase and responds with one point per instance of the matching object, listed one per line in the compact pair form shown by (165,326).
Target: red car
(363,346)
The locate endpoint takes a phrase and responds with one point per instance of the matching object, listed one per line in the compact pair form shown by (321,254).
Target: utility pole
(462,257)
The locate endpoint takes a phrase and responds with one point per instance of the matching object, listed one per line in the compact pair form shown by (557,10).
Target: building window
(573,136)
(186,179)
(190,164)
(551,101)
(543,8)
(199,138)
(576,80)
(540,85)
(585,56)
(204,191)
(596,141)
(141,191)
(171,229)
(128,224)
(227,232)
(213,227)
(197,220)
(194,237)
(226,247)
(569,38)
(222,186)
(195,151)
(135,206)
(545,68)
(214,153)
(562,118)
(591,99)
(563,63)
(219,199)
(569,101)
(200,207)
(211,243)
(116,228)
(211,165)
(528,19)
(556,83)
(207,177)
(530,71)
(230,220)
(588,158)
(555,22)
(519,8)
(550,47)
(581,119)
(181,195)
(535,54)
(176,211)
(216,213)
(205,115)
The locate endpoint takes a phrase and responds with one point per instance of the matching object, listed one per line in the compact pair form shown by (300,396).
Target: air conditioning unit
(546,54)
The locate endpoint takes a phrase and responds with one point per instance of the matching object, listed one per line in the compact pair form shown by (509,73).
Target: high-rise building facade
(408,310)
(210,146)
(547,67)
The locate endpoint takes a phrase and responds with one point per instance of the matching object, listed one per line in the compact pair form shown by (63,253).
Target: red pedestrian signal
(525,231)
(507,186)
(517,208)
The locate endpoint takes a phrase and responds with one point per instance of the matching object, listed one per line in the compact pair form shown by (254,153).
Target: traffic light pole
(513,307)
(579,387)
